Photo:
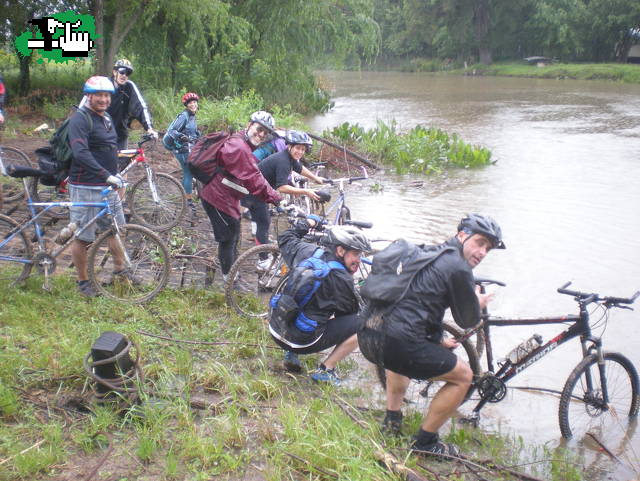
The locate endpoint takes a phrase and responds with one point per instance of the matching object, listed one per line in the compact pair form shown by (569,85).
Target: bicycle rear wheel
(13,189)
(167,211)
(419,391)
(249,286)
(582,409)
(45,193)
(148,265)
(18,248)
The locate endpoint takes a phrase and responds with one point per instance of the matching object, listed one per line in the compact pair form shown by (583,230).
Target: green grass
(626,73)
(260,418)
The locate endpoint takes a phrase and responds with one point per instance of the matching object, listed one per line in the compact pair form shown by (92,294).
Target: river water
(564,188)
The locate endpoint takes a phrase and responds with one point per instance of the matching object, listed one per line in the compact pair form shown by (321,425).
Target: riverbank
(215,401)
(616,72)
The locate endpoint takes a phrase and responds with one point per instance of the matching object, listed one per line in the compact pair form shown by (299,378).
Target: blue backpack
(302,283)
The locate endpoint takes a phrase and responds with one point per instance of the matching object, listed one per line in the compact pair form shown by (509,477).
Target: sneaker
(392,423)
(192,206)
(124,275)
(326,375)
(86,289)
(264,264)
(438,448)
(292,362)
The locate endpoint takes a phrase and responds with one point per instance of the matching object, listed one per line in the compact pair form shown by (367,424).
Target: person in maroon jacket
(238,176)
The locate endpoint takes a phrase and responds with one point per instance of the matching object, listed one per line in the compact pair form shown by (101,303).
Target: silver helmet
(349,238)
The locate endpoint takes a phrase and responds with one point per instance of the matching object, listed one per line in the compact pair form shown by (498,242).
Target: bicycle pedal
(473,421)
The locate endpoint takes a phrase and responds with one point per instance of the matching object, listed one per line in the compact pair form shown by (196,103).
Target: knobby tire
(164,215)
(13,189)
(18,247)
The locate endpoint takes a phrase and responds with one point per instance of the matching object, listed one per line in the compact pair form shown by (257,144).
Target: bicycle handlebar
(357,223)
(589,297)
(483,281)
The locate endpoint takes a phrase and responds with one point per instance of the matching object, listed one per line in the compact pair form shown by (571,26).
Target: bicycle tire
(345,214)
(248,290)
(13,189)
(159,216)
(419,391)
(581,410)
(19,247)
(44,193)
(148,260)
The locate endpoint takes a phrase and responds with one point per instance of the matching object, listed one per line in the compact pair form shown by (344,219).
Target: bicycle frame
(138,157)
(338,204)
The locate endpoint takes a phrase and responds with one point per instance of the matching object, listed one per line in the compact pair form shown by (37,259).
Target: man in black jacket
(331,315)
(411,333)
(94,165)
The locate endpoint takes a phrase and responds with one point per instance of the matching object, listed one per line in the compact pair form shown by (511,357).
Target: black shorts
(338,330)
(417,360)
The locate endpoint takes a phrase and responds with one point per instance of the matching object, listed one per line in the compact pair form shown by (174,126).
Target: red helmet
(188,97)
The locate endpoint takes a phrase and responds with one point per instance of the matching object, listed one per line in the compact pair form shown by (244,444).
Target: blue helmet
(98,84)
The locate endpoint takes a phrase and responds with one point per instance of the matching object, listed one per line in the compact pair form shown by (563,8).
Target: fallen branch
(320,470)
(395,466)
(205,343)
(604,448)
(22,452)
(102,460)
(353,154)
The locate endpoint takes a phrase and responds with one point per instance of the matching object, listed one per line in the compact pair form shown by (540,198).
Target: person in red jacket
(238,176)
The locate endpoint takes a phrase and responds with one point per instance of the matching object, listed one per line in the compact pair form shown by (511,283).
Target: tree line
(223,47)
(488,30)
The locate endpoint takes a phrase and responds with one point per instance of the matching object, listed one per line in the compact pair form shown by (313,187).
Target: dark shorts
(414,359)
(338,330)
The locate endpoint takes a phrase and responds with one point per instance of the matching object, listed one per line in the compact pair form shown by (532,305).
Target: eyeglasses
(262,130)
(124,71)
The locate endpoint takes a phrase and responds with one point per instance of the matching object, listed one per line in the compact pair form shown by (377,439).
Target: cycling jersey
(94,149)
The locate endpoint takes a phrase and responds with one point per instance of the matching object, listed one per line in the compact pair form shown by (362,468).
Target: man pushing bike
(406,337)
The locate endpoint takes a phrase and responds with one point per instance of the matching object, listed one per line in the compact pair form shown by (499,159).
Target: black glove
(301,227)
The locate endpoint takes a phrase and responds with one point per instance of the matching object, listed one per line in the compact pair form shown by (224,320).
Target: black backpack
(302,283)
(55,160)
(394,268)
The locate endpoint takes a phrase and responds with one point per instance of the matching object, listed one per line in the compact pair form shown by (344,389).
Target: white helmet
(349,238)
(98,83)
(264,118)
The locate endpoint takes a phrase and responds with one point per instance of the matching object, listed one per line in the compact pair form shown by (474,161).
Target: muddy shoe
(438,449)
(392,423)
(86,289)
(292,362)
(327,376)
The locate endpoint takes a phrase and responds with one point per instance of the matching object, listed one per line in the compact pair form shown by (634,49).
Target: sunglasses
(124,71)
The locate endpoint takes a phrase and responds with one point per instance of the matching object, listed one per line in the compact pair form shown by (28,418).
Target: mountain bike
(338,208)
(600,395)
(145,255)
(12,189)
(156,200)
(251,282)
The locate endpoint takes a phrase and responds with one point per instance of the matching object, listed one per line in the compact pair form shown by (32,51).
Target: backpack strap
(321,269)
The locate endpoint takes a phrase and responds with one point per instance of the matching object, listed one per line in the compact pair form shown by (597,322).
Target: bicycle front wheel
(582,406)
(14,253)
(161,214)
(13,189)
(252,280)
(147,264)
(419,391)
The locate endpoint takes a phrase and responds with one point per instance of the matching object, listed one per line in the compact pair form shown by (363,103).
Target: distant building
(634,54)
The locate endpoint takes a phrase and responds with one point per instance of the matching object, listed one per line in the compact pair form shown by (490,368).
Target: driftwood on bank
(353,154)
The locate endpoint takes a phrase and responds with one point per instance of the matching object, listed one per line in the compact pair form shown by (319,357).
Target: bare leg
(79,256)
(118,255)
(449,397)
(397,385)
(341,351)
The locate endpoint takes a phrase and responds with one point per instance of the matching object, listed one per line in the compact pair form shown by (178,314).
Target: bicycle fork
(152,184)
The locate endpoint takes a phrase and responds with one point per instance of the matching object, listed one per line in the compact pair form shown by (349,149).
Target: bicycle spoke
(18,248)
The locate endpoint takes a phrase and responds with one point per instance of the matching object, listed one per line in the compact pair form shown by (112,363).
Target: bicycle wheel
(18,248)
(345,214)
(419,391)
(13,189)
(161,215)
(147,263)
(249,286)
(45,193)
(582,408)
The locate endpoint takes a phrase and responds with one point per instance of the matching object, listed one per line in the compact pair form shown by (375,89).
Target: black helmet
(485,225)
(349,238)
(295,137)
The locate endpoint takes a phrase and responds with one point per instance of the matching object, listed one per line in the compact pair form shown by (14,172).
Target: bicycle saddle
(20,171)
(324,196)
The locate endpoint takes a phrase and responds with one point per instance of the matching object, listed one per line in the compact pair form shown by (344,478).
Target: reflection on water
(564,189)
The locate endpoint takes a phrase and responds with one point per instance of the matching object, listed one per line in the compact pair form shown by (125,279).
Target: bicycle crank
(45,263)
(491,388)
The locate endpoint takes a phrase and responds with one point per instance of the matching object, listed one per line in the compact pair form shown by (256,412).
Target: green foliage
(420,150)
